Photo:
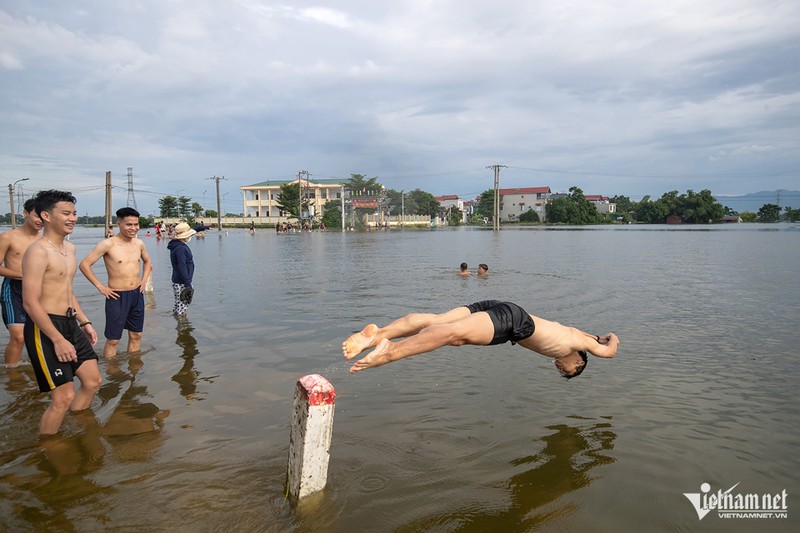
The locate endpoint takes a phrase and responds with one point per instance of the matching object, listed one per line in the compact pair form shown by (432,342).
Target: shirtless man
(464,270)
(58,335)
(482,323)
(126,281)
(13,244)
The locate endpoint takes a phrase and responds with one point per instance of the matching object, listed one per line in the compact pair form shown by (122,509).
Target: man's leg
(475,328)
(13,353)
(89,374)
(60,399)
(110,348)
(411,324)
(134,341)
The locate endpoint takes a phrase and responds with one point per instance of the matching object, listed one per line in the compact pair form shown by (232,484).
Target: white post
(310,441)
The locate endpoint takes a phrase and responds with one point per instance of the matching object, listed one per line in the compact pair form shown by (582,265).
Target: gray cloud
(627,98)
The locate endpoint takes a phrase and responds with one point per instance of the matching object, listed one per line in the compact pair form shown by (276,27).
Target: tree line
(574,209)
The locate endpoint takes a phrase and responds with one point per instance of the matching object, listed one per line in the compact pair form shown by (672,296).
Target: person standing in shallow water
(124,294)
(182,260)
(464,270)
(13,244)
(58,334)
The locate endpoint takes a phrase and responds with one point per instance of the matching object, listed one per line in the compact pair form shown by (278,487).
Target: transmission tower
(131,199)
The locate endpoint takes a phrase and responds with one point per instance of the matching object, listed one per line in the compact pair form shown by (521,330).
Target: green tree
(748,216)
(168,207)
(699,208)
(289,200)
(529,216)
(422,203)
(395,201)
(769,213)
(455,217)
(197,209)
(184,206)
(791,215)
(332,217)
(651,212)
(359,185)
(210,213)
(485,206)
(573,209)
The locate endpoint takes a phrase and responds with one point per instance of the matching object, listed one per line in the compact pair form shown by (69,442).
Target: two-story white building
(261,199)
(514,202)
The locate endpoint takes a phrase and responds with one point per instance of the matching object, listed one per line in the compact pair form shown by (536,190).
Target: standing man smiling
(124,293)
(58,335)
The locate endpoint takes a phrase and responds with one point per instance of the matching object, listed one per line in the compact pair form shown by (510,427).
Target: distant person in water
(483,268)
(482,324)
(464,270)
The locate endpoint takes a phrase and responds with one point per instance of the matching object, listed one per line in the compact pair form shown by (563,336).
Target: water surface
(193,434)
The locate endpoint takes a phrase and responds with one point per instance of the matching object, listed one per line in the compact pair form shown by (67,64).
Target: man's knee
(17,335)
(135,335)
(91,381)
(61,397)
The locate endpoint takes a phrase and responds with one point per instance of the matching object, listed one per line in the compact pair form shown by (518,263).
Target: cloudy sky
(633,97)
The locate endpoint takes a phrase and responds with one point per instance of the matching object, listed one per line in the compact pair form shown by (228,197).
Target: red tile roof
(526,190)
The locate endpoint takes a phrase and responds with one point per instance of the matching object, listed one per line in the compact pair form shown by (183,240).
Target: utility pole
(300,196)
(108,202)
(131,199)
(219,206)
(403,208)
(11,188)
(496,216)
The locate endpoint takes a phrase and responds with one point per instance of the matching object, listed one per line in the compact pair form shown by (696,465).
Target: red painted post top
(318,390)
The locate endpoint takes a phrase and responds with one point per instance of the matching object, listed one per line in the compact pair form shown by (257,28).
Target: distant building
(447,203)
(514,202)
(261,199)
(733,219)
(674,219)
(602,203)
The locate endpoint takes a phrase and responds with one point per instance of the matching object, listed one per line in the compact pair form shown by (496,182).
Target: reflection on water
(563,466)
(186,377)
(469,438)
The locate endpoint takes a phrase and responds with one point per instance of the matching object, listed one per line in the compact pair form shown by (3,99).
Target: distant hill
(753,201)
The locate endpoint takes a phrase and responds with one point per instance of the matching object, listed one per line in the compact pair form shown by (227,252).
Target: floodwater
(193,434)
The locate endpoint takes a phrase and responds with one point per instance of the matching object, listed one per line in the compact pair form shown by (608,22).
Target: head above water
(572,365)
(464,266)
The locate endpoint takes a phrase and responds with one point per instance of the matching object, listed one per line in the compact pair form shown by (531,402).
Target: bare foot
(358,342)
(377,357)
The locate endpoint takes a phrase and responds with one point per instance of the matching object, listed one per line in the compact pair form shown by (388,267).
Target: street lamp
(11,201)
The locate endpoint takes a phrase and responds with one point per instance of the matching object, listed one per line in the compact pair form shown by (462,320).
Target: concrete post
(310,441)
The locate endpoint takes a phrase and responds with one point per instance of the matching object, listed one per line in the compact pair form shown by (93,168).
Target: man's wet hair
(47,200)
(127,212)
(464,266)
(29,205)
(484,266)
(580,370)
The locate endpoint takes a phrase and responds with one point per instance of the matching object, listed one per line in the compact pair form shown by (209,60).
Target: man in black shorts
(482,323)
(58,335)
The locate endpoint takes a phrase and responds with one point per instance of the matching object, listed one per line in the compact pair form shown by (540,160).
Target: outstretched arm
(602,346)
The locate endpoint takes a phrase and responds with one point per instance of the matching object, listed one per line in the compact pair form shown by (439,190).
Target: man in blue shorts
(58,335)
(123,254)
(482,323)
(13,244)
